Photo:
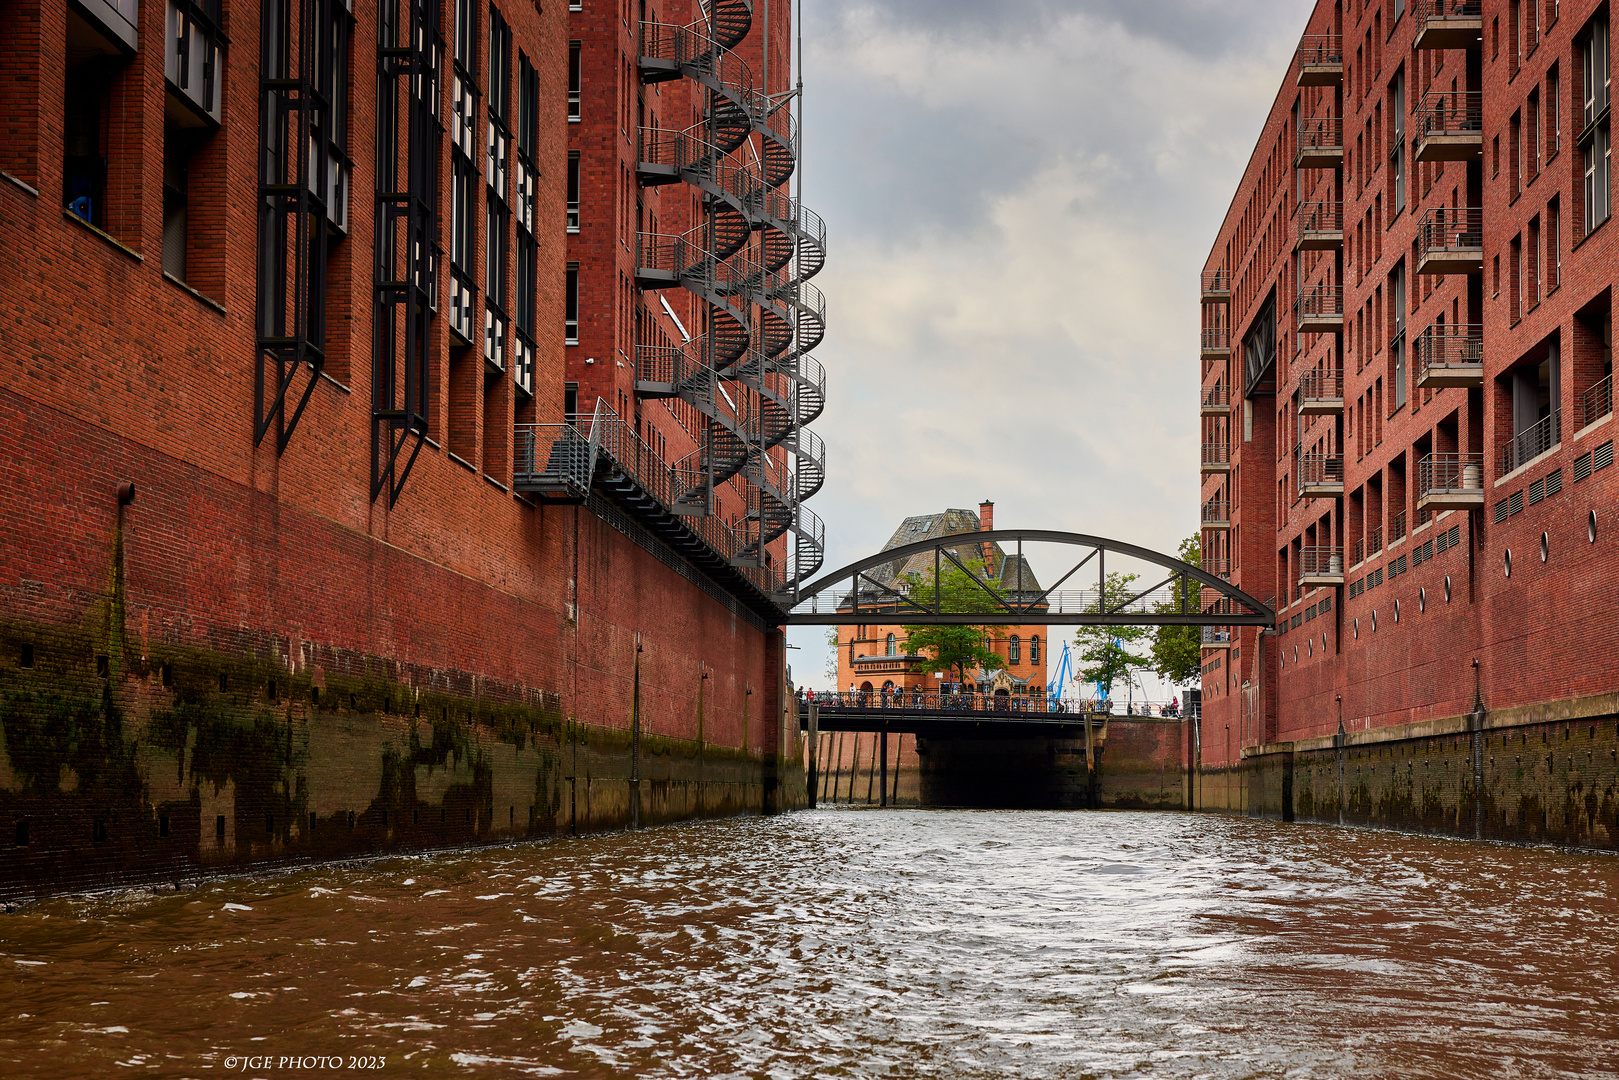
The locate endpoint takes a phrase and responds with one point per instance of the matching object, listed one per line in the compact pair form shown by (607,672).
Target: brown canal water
(848,943)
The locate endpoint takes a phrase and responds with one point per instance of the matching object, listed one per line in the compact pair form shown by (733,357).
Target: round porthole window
(1507,562)
(1396,611)
(1323,642)
(1447,588)
(1591,527)
(1295,654)
(1357,629)
(1545,547)
(1374,621)
(1422,599)
(1309,648)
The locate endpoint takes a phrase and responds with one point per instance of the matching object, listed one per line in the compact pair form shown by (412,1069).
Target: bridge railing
(917,699)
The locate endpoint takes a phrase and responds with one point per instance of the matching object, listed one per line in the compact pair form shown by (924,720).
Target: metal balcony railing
(1216,453)
(1357,552)
(1316,470)
(1216,511)
(1532,441)
(1321,561)
(1216,338)
(1397,526)
(1374,541)
(1428,10)
(1596,402)
(1218,567)
(1321,386)
(1451,230)
(1319,217)
(1448,347)
(1450,474)
(1216,281)
(1320,50)
(1320,303)
(1217,397)
(1320,136)
(1451,112)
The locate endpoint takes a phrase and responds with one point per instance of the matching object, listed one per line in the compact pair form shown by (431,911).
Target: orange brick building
(875,659)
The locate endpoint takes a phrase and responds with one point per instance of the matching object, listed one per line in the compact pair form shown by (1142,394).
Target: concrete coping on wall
(1577,708)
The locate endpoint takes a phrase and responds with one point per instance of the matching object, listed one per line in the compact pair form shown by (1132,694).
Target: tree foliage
(1108,654)
(832,643)
(953,648)
(1177,651)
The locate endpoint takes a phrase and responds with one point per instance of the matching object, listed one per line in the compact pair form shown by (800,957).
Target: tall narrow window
(463,170)
(1554,245)
(1034,649)
(893,646)
(575,93)
(573,191)
(1554,113)
(1397,140)
(1397,365)
(1014,651)
(570,305)
(528,127)
(498,216)
(1596,130)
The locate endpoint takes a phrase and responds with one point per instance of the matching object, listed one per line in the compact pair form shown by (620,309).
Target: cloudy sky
(1019,195)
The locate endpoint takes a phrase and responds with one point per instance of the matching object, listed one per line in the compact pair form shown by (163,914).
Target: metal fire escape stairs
(763,317)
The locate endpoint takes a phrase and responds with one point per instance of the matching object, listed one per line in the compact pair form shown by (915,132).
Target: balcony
(1216,342)
(1216,457)
(1596,402)
(1321,393)
(1450,482)
(1217,514)
(1321,566)
(1217,637)
(1450,240)
(1321,144)
(1216,287)
(1531,442)
(1321,476)
(1449,24)
(1320,226)
(1220,568)
(1320,309)
(1450,126)
(1216,400)
(1357,553)
(1321,60)
(1449,354)
(1374,541)
(1396,527)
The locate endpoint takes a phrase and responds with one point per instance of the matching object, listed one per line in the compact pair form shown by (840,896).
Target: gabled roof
(961,523)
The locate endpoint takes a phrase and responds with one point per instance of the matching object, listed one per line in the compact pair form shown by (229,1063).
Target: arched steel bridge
(852,596)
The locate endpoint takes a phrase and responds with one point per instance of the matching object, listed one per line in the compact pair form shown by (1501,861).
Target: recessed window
(1014,650)
(1034,649)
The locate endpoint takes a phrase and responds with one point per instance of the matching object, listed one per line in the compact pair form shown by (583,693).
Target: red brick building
(297,554)
(1407,403)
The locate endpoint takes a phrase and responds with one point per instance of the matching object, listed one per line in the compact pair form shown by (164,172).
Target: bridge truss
(856,595)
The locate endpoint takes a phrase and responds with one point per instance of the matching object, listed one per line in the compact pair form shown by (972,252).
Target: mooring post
(813,748)
(882,783)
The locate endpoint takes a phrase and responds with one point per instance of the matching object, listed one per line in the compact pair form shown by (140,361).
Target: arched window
(1014,650)
(1034,649)
(893,650)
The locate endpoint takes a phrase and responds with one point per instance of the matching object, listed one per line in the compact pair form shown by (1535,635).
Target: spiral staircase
(750,376)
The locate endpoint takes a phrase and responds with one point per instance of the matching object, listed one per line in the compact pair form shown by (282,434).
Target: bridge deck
(963,724)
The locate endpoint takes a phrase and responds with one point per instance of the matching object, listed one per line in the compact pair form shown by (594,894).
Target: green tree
(832,657)
(953,648)
(1177,651)
(1107,654)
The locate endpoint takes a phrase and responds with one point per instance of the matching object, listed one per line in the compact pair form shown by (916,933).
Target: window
(1397,342)
(570,305)
(1554,114)
(892,647)
(1014,651)
(463,171)
(1034,649)
(1596,131)
(497,251)
(574,96)
(1397,141)
(1554,245)
(527,178)
(1515,155)
(573,191)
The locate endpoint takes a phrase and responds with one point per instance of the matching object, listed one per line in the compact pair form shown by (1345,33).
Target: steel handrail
(1596,401)
(1321,469)
(1216,337)
(1216,453)
(1216,510)
(1319,49)
(1319,216)
(1448,345)
(1217,396)
(1451,112)
(1450,473)
(1451,228)
(1321,386)
(1397,526)
(1532,441)
(1319,559)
